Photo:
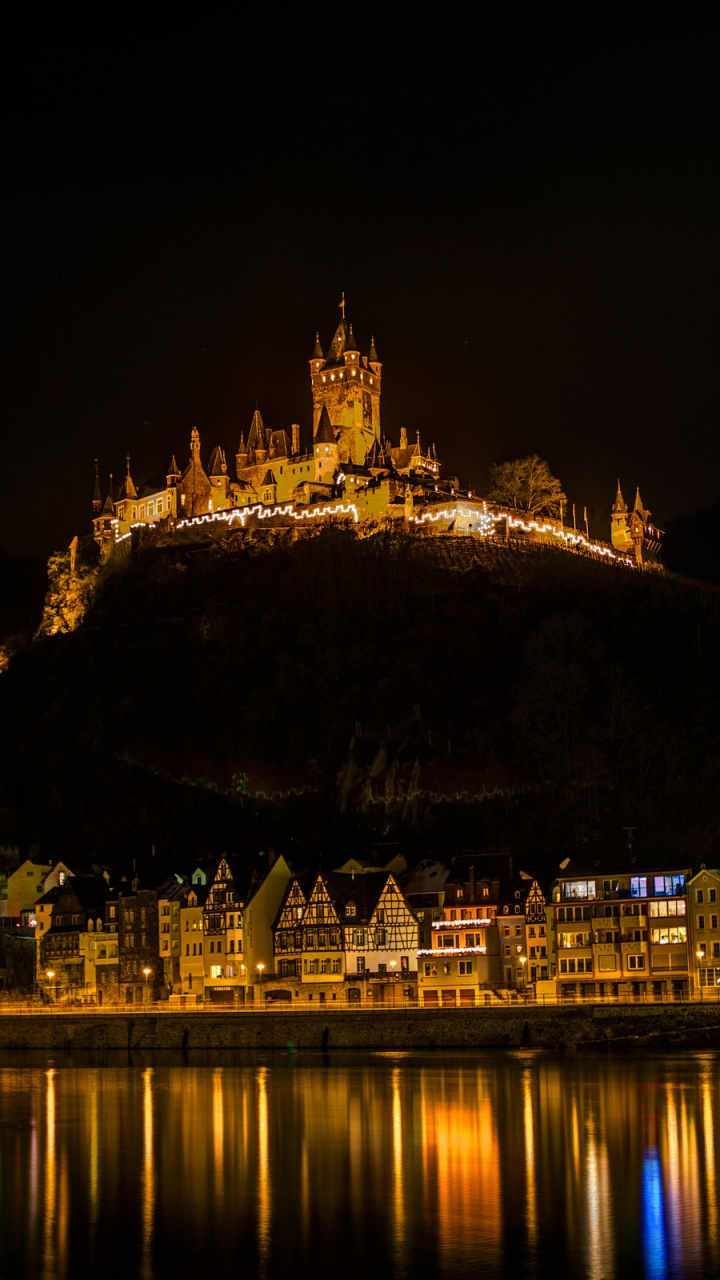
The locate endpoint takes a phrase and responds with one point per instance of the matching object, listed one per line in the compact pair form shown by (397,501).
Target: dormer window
(351,909)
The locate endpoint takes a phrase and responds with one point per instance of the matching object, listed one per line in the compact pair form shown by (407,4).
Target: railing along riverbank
(689,1025)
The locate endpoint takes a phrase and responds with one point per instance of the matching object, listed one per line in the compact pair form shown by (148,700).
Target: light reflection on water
(515,1165)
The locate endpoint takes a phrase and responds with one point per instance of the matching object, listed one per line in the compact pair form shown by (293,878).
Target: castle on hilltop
(350,470)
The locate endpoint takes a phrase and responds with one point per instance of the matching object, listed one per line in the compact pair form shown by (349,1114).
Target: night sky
(522,210)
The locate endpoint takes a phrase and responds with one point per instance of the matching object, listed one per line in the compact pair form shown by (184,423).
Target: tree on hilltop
(526,484)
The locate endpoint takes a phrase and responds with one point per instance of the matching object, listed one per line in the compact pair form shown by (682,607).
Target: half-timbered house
(348,937)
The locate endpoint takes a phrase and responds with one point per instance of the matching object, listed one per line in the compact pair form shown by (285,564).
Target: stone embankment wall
(624,1026)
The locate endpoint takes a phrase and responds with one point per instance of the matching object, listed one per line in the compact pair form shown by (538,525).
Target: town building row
(473,931)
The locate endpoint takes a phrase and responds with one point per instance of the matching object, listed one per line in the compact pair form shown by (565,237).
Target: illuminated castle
(349,458)
(351,470)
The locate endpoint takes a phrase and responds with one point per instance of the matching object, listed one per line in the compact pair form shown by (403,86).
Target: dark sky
(523,210)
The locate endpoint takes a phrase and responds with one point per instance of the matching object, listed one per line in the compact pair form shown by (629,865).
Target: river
(480,1165)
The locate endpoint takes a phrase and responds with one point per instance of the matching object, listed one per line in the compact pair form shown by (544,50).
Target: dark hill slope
(504,695)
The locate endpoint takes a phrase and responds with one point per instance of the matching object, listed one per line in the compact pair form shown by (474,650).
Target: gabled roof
(364,891)
(269,477)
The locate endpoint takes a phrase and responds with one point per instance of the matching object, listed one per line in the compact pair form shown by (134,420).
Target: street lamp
(147,971)
(260,968)
(50,974)
(523,962)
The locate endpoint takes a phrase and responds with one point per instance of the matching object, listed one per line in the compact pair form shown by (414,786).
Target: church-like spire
(324,433)
(373,357)
(97,496)
(128,490)
(317,352)
(641,510)
(109,506)
(351,344)
(620,504)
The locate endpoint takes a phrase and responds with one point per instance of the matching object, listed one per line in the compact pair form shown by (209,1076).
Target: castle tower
(325,450)
(348,385)
(619,530)
(219,478)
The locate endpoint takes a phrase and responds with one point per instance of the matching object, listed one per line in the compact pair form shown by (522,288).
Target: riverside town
(473,931)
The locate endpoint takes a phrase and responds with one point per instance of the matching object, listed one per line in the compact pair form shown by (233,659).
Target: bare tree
(526,484)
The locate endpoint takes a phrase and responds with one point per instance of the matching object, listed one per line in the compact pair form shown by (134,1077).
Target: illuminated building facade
(480,939)
(346,936)
(704,908)
(622,935)
(77,938)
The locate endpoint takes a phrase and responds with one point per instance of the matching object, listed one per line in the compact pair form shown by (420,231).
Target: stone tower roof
(325,433)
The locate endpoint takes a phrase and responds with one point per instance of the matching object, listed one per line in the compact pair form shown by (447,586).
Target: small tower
(219,478)
(325,450)
(619,531)
(172,476)
(97,499)
(104,521)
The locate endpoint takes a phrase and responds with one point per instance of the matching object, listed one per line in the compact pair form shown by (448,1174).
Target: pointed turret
(351,344)
(172,475)
(325,433)
(317,352)
(620,504)
(109,504)
(128,489)
(256,444)
(373,359)
(241,457)
(325,450)
(97,496)
(217,465)
(639,508)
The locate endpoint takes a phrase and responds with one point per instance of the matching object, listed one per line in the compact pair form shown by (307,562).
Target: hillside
(331,692)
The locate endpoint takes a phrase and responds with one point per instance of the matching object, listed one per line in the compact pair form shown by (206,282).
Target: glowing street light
(50,974)
(523,962)
(260,968)
(147,971)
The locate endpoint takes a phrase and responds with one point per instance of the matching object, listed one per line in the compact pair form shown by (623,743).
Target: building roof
(325,433)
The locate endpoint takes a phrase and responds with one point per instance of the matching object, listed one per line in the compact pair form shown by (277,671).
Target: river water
(400,1165)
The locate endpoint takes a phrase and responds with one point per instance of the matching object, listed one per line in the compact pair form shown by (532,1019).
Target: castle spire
(317,351)
(620,504)
(129,490)
(325,433)
(97,497)
(373,357)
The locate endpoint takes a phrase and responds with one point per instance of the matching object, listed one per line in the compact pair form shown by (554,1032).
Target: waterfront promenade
(516,1027)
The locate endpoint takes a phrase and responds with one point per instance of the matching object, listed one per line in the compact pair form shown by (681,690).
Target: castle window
(142,513)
